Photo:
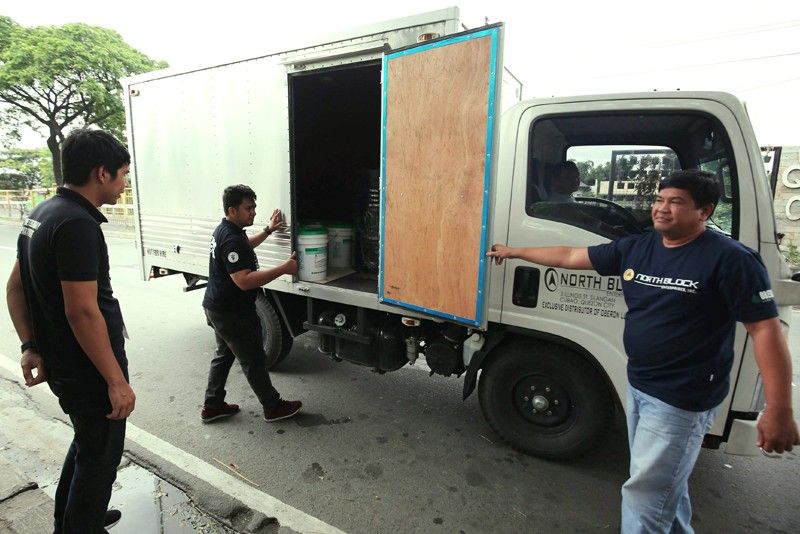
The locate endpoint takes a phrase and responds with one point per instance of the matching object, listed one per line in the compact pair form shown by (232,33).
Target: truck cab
(623,145)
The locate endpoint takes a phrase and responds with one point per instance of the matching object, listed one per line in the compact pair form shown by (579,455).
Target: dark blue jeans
(239,338)
(89,471)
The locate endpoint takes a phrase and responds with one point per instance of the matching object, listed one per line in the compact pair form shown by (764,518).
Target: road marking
(8,248)
(268,505)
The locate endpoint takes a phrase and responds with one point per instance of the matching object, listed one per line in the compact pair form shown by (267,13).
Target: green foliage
(25,168)
(60,77)
(597,174)
(11,122)
(792,254)
(645,170)
(6,27)
(723,217)
(591,174)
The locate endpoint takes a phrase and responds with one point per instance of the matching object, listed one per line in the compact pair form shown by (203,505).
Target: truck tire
(276,338)
(544,400)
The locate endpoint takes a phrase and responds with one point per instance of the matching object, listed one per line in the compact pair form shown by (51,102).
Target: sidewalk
(148,504)
(33,441)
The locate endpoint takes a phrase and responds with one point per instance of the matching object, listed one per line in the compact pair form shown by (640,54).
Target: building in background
(783,171)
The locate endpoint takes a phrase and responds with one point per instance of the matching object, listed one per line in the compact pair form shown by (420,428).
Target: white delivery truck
(387,149)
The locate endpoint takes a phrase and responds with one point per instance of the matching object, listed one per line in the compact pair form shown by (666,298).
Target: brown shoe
(212,414)
(284,410)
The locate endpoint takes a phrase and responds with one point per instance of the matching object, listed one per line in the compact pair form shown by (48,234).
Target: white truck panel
(219,126)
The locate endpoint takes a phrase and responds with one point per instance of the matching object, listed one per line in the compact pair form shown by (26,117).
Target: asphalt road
(399,452)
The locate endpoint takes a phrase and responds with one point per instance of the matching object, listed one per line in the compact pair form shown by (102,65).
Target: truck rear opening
(335,119)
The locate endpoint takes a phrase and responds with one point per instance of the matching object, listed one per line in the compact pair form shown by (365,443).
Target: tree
(585,169)
(624,166)
(58,77)
(25,168)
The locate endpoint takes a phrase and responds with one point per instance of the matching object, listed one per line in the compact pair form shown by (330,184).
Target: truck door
(437,171)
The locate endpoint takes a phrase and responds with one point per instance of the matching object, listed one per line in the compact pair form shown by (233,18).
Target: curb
(24,507)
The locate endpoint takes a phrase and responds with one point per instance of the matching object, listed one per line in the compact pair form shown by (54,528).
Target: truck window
(722,219)
(586,172)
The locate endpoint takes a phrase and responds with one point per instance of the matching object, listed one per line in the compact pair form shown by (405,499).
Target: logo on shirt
(29,227)
(662,282)
(233,257)
(763,296)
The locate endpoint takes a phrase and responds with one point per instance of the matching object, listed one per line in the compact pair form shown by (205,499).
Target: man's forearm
(91,332)
(777,429)
(565,257)
(17,306)
(774,363)
(257,239)
(256,279)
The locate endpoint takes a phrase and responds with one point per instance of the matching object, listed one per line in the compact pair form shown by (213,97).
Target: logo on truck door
(582,293)
(551,279)
(554,279)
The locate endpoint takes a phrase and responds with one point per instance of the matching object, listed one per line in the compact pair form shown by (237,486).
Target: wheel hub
(541,400)
(540,403)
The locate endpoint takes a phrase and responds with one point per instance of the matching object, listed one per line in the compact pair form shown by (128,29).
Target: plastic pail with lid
(312,223)
(312,254)
(340,244)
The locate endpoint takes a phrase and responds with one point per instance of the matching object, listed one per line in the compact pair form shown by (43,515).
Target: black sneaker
(284,410)
(112,518)
(212,414)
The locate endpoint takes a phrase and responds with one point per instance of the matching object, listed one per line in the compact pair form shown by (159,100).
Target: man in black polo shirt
(230,305)
(686,287)
(64,311)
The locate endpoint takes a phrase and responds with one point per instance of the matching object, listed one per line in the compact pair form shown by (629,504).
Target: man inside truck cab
(234,281)
(565,179)
(685,287)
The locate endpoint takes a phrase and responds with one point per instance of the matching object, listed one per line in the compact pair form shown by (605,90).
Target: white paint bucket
(312,254)
(340,244)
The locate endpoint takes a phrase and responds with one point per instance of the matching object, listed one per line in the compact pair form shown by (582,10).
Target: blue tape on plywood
(384,92)
(493,33)
(487,177)
(428,311)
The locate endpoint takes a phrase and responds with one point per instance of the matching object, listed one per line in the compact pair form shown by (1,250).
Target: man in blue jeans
(70,325)
(685,287)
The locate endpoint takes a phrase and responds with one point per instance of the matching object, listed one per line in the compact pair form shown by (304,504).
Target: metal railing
(15,205)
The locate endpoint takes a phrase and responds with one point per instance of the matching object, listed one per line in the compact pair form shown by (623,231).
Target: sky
(560,48)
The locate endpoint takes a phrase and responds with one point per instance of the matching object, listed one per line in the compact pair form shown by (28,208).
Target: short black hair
(562,166)
(234,195)
(702,186)
(86,149)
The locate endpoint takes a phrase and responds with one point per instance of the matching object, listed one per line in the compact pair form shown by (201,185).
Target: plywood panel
(436,134)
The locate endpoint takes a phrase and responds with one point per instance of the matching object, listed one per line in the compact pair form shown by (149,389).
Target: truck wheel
(544,400)
(277,341)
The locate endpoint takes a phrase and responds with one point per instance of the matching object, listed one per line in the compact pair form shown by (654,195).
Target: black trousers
(239,337)
(89,471)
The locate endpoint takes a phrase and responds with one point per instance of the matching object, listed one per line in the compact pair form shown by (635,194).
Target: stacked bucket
(321,245)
